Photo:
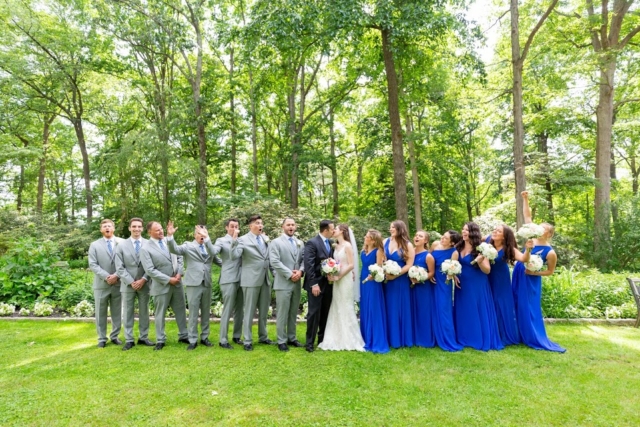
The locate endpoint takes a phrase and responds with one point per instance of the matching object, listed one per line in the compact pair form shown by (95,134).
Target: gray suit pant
(232,303)
(199,299)
(287,303)
(105,298)
(143,316)
(260,298)
(174,299)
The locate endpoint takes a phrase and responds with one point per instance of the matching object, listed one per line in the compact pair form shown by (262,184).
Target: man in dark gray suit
(197,280)
(165,270)
(106,283)
(254,280)
(133,283)
(232,300)
(286,258)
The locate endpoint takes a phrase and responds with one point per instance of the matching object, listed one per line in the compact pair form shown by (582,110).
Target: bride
(342,331)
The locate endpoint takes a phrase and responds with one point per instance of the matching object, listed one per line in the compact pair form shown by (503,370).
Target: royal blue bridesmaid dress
(474,312)
(443,327)
(373,313)
(397,295)
(422,307)
(500,281)
(527,293)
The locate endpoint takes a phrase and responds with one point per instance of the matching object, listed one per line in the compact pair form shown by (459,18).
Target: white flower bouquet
(488,251)
(530,231)
(376,272)
(330,267)
(451,268)
(419,274)
(391,267)
(535,263)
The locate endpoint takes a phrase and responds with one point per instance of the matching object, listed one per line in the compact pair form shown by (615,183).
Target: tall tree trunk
(417,198)
(334,167)
(234,142)
(48,119)
(543,149)
(254,131)
(399,169)
(518,124)
(86,173)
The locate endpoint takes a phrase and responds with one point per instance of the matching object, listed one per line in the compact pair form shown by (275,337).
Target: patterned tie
(162,246)
(202,250)
(137,246)
(109,247)
(326,245)
(259,240)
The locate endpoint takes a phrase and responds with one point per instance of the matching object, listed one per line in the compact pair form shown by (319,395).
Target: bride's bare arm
(344,270)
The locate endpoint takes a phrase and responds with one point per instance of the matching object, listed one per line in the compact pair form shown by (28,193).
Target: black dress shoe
(309,349)
(158,346)
(206,342)
(128,346)
(146,342)
(192,346)
(102,344)
(283,347)
(248,347)
(184,340)
(267,342)
(237,341)
(295,343)
(116,341)
(226,345)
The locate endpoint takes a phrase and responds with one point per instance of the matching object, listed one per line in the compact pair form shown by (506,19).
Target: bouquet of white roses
(376,272)
(535,263)
(391,267)
(451,268)
(530,231)
(419,274)
(488,251)
(330,267)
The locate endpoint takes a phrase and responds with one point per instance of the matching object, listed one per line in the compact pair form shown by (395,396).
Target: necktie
(293,245)
(137,246)
(326,245)
(259,240)
(162,246)
(109,247)
(202,250)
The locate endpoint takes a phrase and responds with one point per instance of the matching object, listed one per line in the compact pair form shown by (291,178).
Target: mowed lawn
(51,374)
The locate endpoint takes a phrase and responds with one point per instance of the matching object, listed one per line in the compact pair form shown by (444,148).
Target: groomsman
(133,283)
(106,283)
(286,257)
(232,300)
(197,281)
(165,270)
(254,280)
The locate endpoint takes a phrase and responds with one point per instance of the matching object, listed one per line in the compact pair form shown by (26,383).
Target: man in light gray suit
(286,259)
(106,283)
(197,280)
(254,280)
(232,300)
(165,270)
(133,283)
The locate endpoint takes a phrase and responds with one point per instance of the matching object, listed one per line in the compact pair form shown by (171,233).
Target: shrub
(7,309)
(79,263)
(217,308)
(42,309)
(79,290)
(24,311)
(83,309)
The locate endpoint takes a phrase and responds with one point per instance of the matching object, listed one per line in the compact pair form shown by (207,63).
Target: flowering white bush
(217,309)
(356,307)
(270,312)
(42,309)
(305,310)
(24,311)
(613,313)
(6,309)
(83,309)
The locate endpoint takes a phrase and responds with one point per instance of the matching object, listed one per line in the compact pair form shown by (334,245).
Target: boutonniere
(265,238)
(299,243)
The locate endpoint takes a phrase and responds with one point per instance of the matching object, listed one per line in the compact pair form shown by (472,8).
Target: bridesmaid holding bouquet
(422,295)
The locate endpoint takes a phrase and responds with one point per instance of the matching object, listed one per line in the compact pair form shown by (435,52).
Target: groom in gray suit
(197,281)
(254,280)
(165,270)
(133,283)
(232,300)
(286,258)
(106,283)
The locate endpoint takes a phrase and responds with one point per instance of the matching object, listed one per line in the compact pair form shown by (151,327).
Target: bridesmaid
(503,239)
(527,287)
(397,292)
(443,329)
(474,312)
(373,314)
(422,296)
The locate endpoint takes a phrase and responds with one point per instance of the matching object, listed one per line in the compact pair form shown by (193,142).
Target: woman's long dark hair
(475,238)
(509,245)
(402,238)
(344,228)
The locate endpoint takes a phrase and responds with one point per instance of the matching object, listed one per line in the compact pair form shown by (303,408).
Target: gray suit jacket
(254,271)
(128,265)
(198,265)
(102,263)
(230,272)
(284,258)
(160,266)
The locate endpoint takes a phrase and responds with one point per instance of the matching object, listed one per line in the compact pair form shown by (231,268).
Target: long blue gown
(500,281)
(443,328)
(527,294)
(474,312)
(398,302)
(373,314)
(422,307)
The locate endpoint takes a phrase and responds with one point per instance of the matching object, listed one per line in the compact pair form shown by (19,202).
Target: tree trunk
(518,125)
(48,119)
(417,201)
(234,147)
(86,175)
(543,149)
(334,168)
(399,169)
(254,132)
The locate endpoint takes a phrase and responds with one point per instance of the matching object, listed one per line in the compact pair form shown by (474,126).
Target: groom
(319,291)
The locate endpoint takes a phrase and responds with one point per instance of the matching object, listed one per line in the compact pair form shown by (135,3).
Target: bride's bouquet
(451,268)
(530,231)
(488,251)
(376,272)
(391,267)
(419,274)
(330,267)
(534,264)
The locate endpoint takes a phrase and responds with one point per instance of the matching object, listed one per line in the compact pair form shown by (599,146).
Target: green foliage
(78,290)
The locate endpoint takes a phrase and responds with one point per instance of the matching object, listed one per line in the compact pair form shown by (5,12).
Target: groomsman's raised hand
(202,230)
(171,229)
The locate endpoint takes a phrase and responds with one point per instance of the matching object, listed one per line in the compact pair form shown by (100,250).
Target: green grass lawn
(53,374)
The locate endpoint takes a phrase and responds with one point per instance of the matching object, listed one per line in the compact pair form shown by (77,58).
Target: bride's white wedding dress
(342,331)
